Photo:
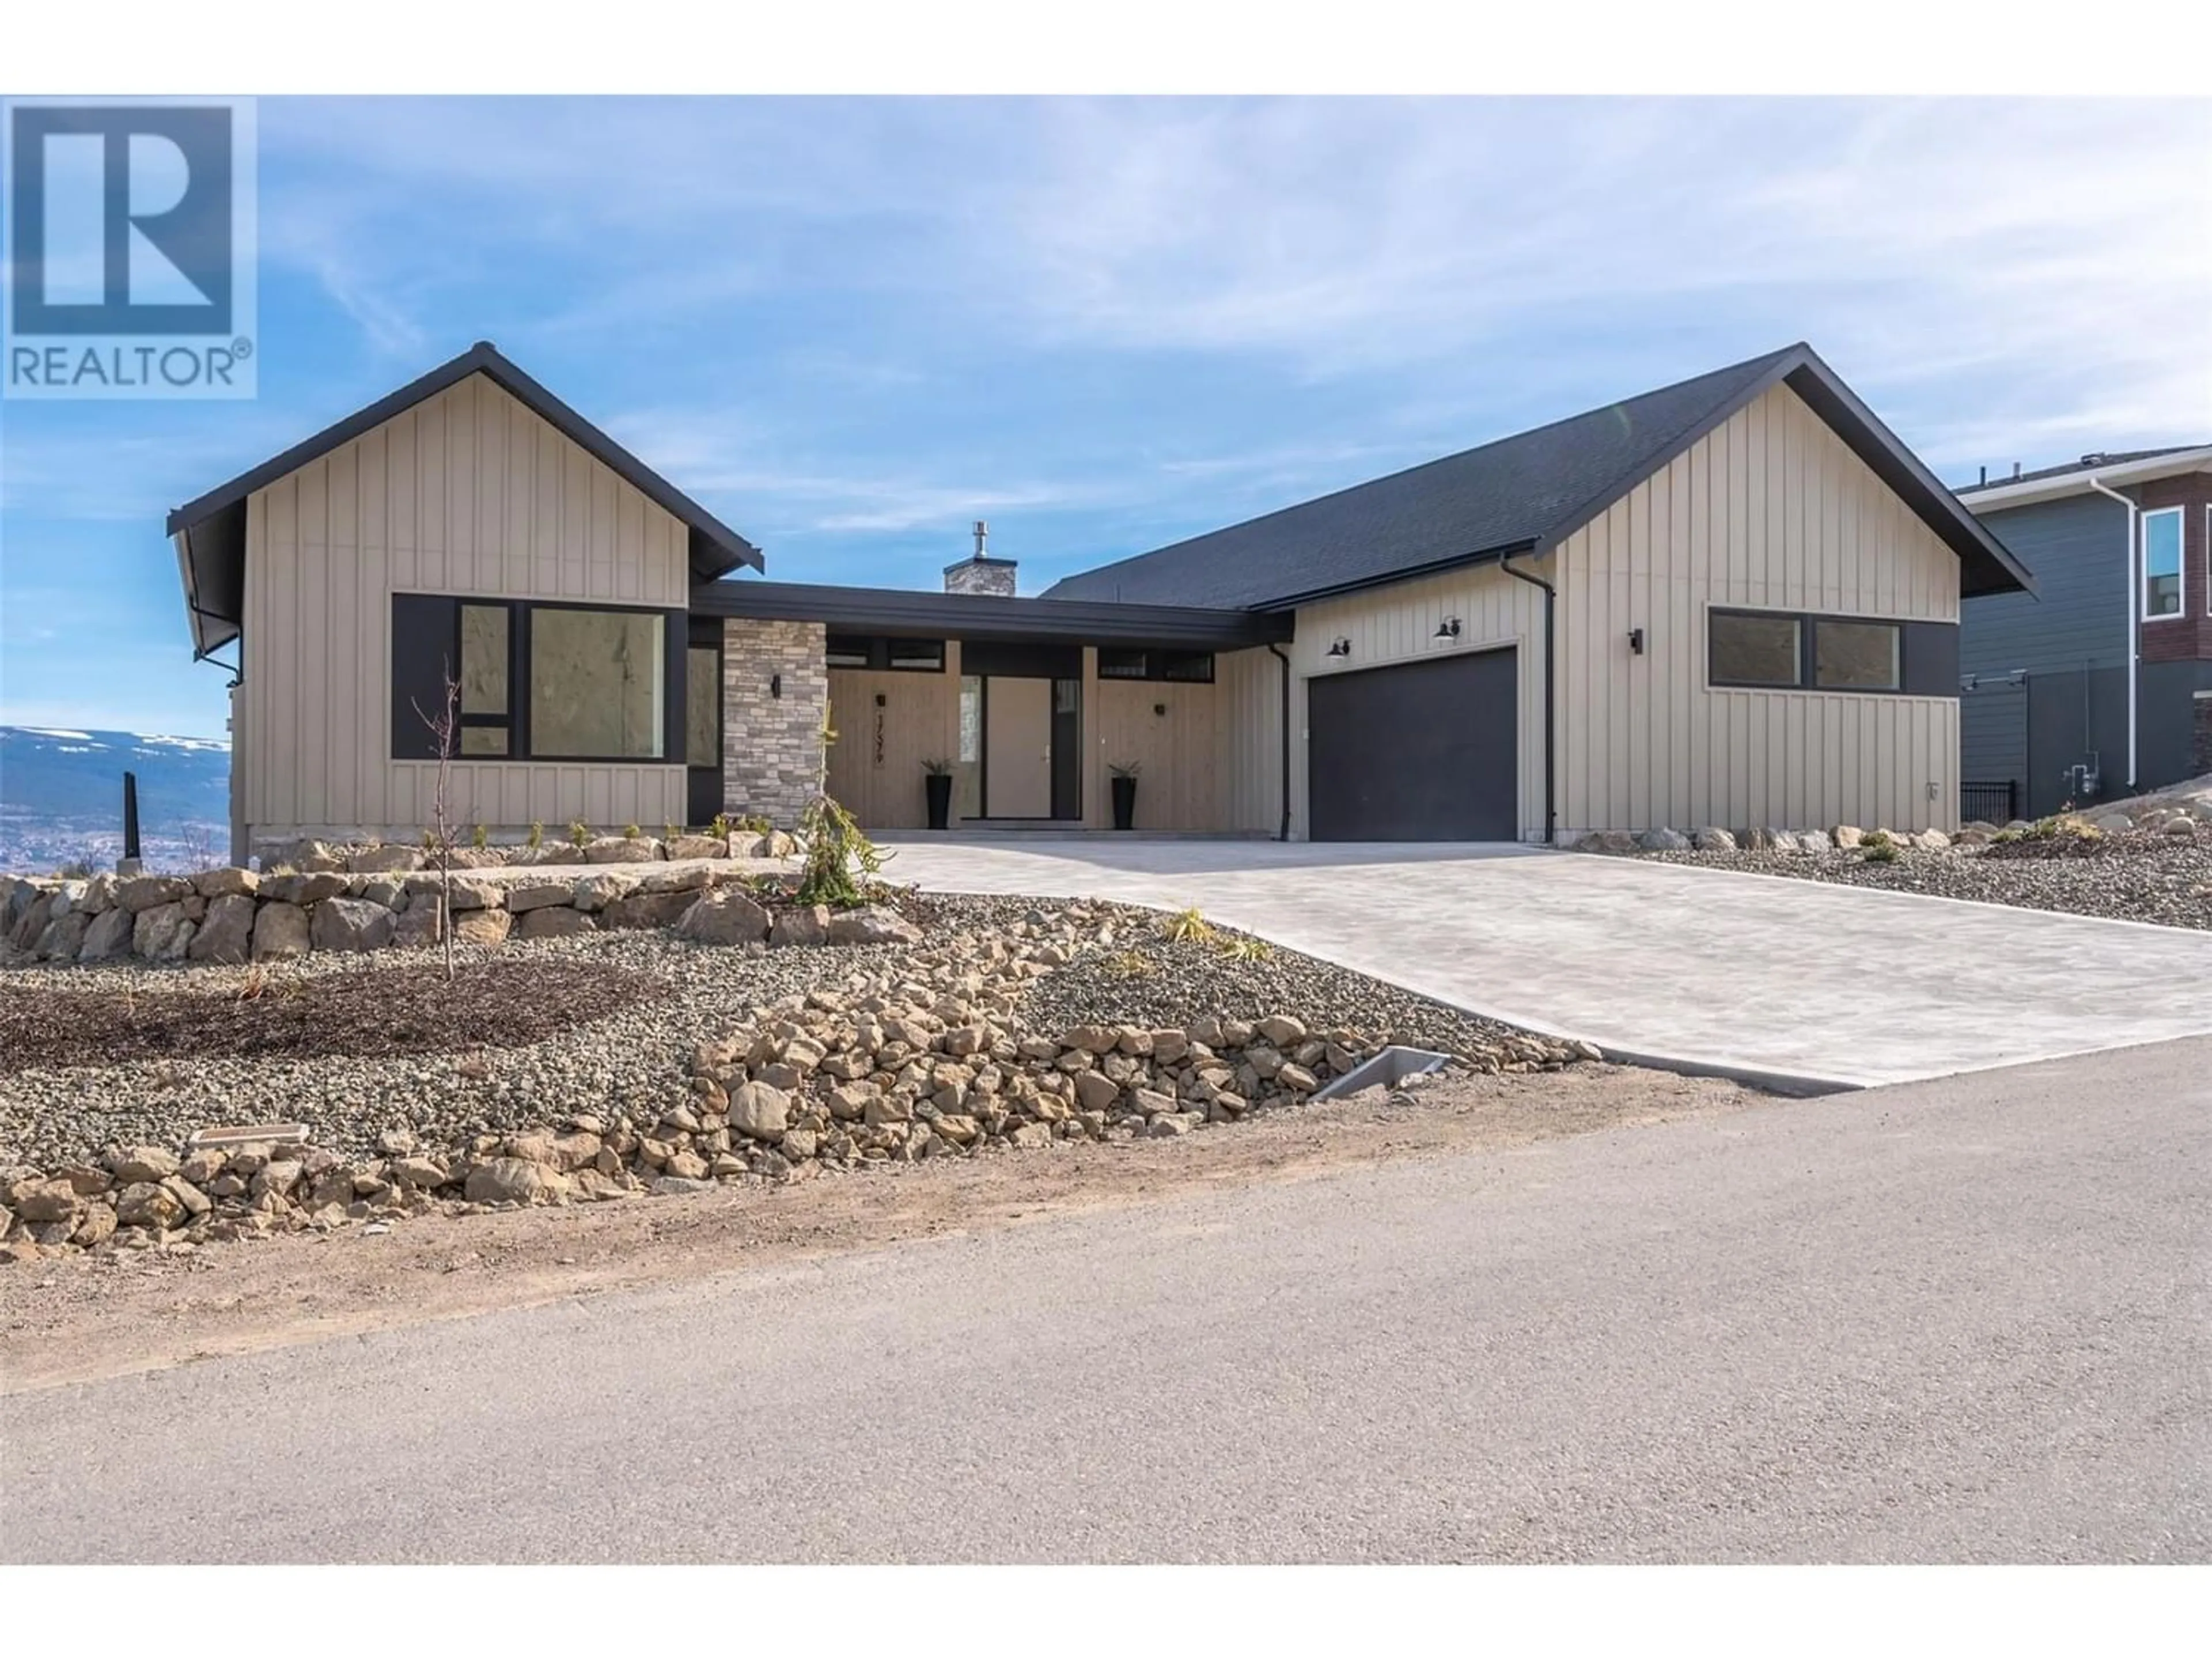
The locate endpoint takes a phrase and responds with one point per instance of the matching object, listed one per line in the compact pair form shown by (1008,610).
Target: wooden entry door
(1016,748)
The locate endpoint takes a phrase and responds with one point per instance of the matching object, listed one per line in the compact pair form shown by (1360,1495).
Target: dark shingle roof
(1523,492)
(2086,464)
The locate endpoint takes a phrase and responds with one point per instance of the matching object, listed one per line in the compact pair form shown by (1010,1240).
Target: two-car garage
(1416,751)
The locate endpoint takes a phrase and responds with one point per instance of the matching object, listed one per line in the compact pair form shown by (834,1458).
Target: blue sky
(851,326)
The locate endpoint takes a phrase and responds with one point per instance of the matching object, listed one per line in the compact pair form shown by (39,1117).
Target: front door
(1016,748)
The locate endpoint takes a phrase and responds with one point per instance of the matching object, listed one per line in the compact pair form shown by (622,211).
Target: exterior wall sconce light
(1635,642)
(775,685)
(1448,629)
(881,700)
(1339,648)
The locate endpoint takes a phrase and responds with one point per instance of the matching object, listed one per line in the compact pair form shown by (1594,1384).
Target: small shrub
(1874,838)
(580,833)
(1879,852)
(1247,948)
(752,823)
(429,840)
(670,831)
(719,828)
(631,832)
(536,836)
(1134,964)
(1188,927)
(840,860)
(255,982)
(480,838)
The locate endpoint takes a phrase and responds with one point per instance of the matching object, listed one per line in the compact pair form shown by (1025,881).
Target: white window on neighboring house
(2162,595)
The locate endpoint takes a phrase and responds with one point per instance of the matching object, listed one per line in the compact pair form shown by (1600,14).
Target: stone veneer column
(772,744)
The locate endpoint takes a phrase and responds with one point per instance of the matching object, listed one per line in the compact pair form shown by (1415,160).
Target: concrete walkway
(1792,982)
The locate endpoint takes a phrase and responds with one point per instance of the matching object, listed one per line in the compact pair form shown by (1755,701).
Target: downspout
(1550,691)
(2133,615)
(1284,833)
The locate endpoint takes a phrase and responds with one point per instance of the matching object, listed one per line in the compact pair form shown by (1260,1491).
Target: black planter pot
(1125,803)
(939,785)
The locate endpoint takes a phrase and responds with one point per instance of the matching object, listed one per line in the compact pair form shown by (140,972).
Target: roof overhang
(2004,494)
(210,531)
(914,614)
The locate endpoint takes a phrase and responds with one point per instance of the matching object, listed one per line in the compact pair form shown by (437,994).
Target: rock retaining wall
(232,915)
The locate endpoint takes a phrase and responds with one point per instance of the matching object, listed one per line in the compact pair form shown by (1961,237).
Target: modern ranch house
(1731,601)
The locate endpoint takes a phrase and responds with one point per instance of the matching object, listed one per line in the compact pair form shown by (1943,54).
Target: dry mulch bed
(370,1014)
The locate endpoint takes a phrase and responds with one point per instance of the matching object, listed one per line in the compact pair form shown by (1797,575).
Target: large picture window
(1752,648)
(2162,586)
(1857,656)
(539,681)
(597,684)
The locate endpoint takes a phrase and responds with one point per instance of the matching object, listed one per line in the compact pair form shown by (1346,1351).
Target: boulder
(678,878)
(2113,822)
(699,847)
(1605,840)
(146,1204)
(1096,1091)
(226,934)
(647,911)
(514,1180)
(1713,838)
(1664,841)
(2182,828)
(616,850)
(1847,835)
(44,1199)
(64,936)
(349,924)
(304,889)
(482,927)
(596,892)
(760,1110)
(728,915)
(138,1163)
(97,1227)
(32,922)
(1298,1080)
(802,924)
(468,893)
(872,924)
(1932,841)
(385,861)
(555,924)
(227,882)
(280,931)
(1814,840)
(1282,1030)
(539,895)
(139,893)
(1761,840)
(417,926)
(163,934)
(110,935)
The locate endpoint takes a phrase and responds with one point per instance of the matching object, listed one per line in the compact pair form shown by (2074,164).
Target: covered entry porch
(1031,707)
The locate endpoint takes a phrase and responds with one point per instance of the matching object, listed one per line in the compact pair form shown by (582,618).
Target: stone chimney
(981,573)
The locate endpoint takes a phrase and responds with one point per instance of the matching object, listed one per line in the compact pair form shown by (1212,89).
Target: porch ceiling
(984,617)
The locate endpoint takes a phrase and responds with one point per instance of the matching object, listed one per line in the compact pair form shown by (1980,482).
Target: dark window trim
(1157,663)
(1927,654)
(521,751)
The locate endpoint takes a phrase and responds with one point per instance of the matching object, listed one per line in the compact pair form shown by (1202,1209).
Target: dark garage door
(1423,752)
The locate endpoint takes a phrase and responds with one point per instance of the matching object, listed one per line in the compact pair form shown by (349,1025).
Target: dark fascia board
(1397,577)
(989,616)
(1985,566)
(715,549)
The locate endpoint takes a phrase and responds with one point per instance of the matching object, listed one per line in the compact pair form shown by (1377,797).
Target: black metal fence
(1990,803)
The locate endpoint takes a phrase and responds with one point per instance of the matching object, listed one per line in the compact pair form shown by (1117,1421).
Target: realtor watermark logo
(130,248)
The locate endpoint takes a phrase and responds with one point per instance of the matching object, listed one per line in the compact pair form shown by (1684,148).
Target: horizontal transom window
(1791,651)
(875,651)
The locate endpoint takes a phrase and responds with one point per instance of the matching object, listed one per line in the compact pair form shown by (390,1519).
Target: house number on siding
(880,737)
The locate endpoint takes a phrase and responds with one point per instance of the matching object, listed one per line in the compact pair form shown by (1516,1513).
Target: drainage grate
(1385,1071)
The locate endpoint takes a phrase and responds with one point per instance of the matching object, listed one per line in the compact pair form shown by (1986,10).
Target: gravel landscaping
(606,1064)
(2132,875)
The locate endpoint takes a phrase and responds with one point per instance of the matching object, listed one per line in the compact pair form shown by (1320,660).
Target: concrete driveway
(1795,983)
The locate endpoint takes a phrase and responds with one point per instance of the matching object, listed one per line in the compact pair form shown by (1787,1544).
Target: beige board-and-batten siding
(1770,510)
(467,493)
(876,765)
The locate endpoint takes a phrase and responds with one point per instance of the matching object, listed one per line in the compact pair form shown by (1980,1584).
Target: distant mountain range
(61,796)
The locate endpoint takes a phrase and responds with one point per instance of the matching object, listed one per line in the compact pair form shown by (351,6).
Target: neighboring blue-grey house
(2100,685)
